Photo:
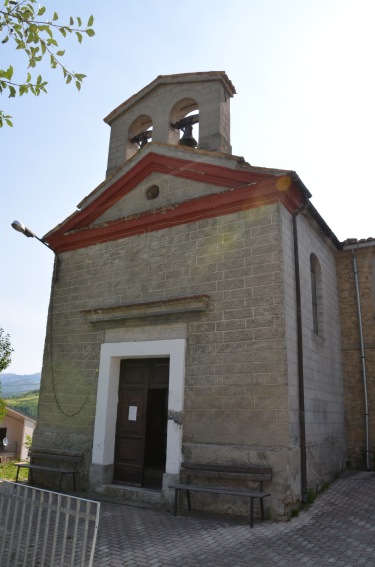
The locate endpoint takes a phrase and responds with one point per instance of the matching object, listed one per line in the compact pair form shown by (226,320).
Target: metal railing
(39,528)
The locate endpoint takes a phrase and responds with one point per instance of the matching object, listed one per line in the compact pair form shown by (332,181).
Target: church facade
(195,310)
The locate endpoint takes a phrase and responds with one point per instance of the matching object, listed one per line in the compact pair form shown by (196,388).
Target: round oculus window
(152,192)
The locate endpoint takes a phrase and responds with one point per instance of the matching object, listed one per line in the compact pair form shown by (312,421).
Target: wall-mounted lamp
(20,227)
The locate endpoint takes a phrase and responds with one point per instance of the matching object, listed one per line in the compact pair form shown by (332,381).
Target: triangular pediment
(157,191)
(126,203)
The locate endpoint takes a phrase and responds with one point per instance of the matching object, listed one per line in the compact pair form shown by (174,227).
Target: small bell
(187,138)
(142,138)
(186,125)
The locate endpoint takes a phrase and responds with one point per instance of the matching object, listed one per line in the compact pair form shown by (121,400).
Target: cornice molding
(161,308)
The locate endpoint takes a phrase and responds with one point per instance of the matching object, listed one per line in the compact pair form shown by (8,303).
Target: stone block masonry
(351,349)
(235,382)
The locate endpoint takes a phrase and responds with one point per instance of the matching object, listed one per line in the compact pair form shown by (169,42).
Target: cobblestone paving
(338,529)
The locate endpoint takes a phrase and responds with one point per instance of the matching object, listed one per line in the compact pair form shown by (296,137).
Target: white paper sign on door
(132,413)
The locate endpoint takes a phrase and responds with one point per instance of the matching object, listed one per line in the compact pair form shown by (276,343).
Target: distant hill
(15,384)
(25,403)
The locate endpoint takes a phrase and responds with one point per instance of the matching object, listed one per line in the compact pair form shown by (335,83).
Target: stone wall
(236,391)
(240,394)
(322,366)
(354,390)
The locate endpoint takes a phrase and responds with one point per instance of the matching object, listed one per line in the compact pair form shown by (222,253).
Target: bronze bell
(186,125)
(187,138)
(142,138)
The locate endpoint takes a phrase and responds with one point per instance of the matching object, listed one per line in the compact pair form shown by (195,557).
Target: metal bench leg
(175,501)
(251,511)
(188,500)
(74,482)
(188,493)
(262,508)
(18,470)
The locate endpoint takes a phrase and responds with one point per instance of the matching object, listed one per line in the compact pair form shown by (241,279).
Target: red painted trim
(151,163)
(227,202)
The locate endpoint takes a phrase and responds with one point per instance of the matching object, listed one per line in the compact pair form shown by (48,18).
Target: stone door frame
(107,397)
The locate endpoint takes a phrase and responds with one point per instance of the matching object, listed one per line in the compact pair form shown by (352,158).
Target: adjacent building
(356,277)
(17,428)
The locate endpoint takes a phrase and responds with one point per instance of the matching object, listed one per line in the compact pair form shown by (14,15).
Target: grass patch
(311,496)
(8,472)
(295,513)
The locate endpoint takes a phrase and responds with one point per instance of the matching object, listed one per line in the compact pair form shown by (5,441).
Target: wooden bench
(253,473)
(39,456)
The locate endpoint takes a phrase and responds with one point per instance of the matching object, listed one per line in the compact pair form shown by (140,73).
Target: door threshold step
(124,493)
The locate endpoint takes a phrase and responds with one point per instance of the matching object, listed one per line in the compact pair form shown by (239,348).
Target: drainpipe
(363,359)
(301,387)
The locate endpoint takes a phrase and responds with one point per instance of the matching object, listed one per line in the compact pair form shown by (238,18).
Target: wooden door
(138,378)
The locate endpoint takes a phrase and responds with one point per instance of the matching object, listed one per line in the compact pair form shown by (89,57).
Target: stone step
(124,493)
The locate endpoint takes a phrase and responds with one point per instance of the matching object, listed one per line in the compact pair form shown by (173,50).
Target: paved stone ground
(338,529)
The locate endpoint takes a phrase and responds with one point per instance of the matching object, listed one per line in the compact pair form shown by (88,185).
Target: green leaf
(46,29)
(35,36)
(6,74)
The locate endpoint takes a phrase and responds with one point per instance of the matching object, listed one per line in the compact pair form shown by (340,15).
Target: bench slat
(53,457)
(220,490)
(44,468)
(251,477)
(248,469)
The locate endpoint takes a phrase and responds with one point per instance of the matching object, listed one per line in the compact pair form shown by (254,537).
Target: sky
(304,75)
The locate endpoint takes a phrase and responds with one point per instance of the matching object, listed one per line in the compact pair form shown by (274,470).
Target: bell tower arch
(162,105)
